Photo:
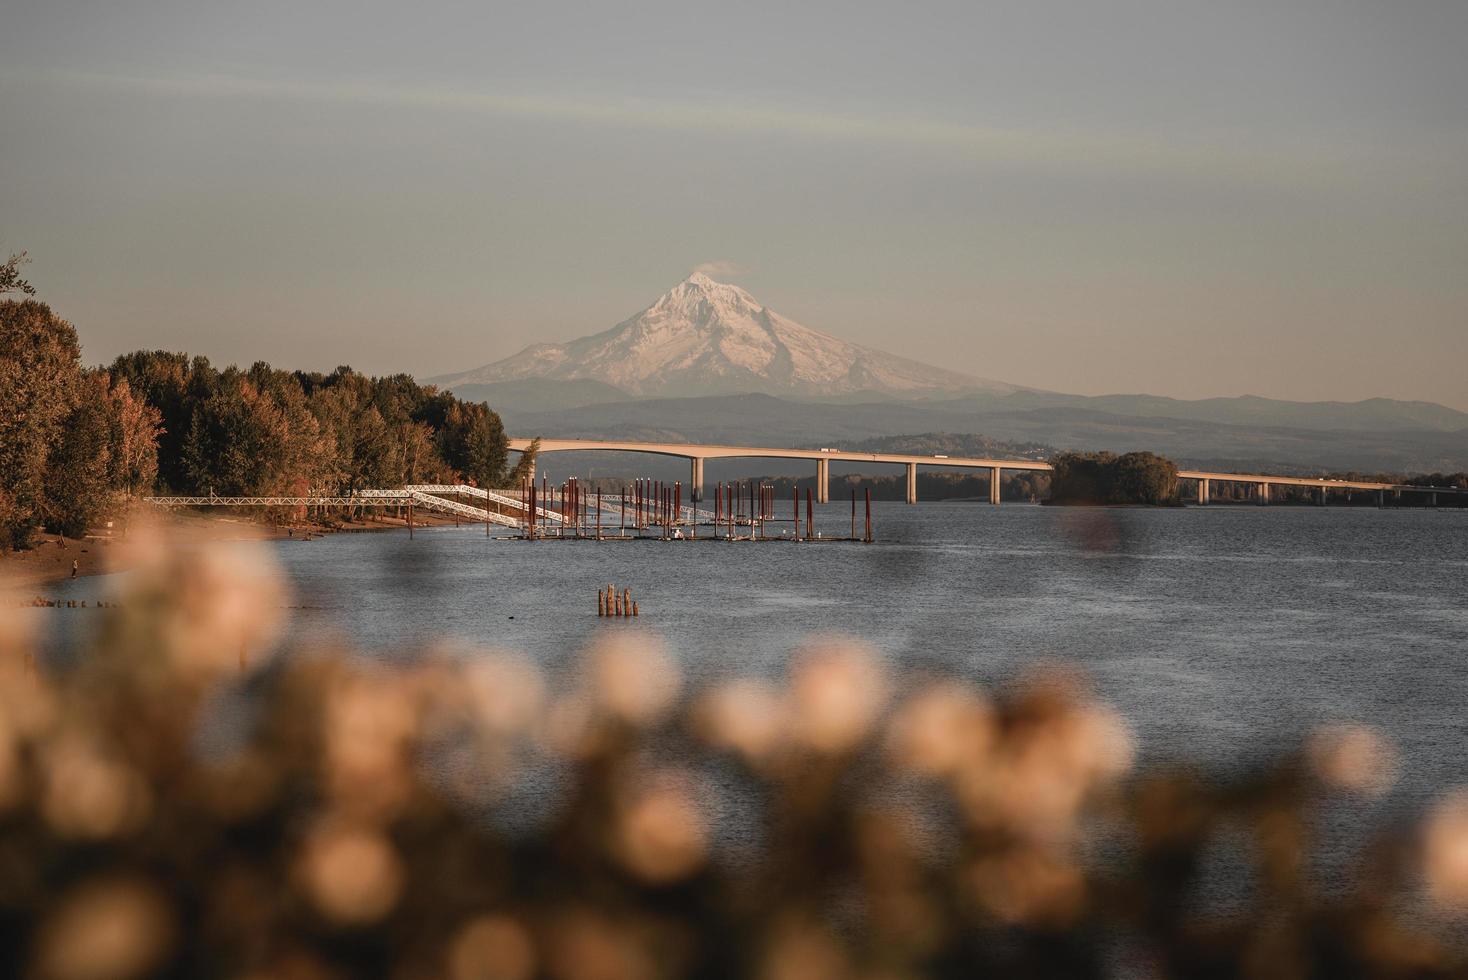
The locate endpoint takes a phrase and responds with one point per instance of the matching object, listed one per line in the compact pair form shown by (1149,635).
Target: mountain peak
(707,337)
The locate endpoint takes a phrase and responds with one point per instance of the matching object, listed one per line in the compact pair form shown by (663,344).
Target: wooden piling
(869,515)
(601,604)
(810,516)
(634,610)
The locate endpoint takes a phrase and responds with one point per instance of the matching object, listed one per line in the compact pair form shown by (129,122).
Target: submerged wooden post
(795,509)
(853,513)
(810,516)
(601,603)
(869,515)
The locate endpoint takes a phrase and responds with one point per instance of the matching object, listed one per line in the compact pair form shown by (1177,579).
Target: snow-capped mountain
(704,337)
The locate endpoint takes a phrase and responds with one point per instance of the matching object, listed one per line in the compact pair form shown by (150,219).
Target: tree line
(72,439)
(264,431)
(76,442)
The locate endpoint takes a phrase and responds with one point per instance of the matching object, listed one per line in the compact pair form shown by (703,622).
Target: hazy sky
(1191,199)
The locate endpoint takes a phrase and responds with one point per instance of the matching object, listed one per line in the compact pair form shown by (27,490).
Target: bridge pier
(1432,499)
(1263,495)
(912,483)
(994,486)
(823,481)
(1320,498)
(695,479)
(1202,492)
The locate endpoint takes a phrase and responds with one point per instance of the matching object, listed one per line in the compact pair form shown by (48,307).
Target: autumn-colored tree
(525,469)
(10,280)
(133,439)
(78,488)
(39,373)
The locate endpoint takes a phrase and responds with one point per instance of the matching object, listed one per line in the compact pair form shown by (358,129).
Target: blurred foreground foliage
(173,803)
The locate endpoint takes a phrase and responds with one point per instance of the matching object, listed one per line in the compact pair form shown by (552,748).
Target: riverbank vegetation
(1105,478)
(264,431)
(174,803)
(76,443)
(72,440)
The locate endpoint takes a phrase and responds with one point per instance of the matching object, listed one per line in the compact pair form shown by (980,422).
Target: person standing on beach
(74,566)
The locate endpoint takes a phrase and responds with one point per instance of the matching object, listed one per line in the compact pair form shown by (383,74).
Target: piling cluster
(741,512)
(610,602)
(40,602)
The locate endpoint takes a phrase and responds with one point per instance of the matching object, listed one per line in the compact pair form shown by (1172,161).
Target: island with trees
(1106,478)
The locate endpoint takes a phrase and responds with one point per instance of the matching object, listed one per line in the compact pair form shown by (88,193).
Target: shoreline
(105,550)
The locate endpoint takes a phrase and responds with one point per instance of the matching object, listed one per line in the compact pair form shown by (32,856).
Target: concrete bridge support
(1320,496)
(1202,492)
(912,483)
(823,481)
(1263,495)
(994,486)
(1381,498)
(695,479)
(1432,499)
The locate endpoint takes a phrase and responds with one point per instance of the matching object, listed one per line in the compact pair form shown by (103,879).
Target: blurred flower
(506,692)
(1445,852)
(209,611)
(800,950)
(632,678)
(661,834)
(941,729)
(491,947)
(89,795)
(1028,886)
(586,945)
(1055,750)
(743,716)
(1353,758)
(352,874)
(370,719)
(105,930)
(836,692)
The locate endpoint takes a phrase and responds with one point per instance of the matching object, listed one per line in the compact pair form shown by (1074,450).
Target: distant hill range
(708,362)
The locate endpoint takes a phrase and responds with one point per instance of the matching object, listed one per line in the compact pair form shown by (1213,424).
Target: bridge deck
(696,451)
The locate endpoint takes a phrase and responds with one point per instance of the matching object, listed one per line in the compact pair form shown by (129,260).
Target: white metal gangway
(419,494)
(408,496)
(486,495)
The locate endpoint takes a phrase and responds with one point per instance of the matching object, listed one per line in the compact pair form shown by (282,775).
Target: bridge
(1261,485)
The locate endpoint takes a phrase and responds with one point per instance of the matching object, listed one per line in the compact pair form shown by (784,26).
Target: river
(1221,633)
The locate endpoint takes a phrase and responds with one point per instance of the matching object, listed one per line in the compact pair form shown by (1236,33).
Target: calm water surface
(1221,633)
